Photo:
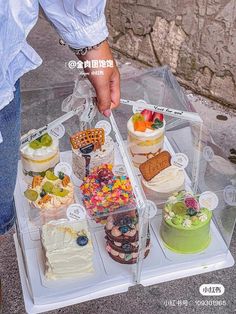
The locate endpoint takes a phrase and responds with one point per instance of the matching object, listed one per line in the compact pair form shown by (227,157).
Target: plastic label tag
(208,153)
(58,132)
(76,212)
(119,170)
(230,195)
(139,106)
(179,160)
(208,200)
(63,167)
(103,124)
(152,209)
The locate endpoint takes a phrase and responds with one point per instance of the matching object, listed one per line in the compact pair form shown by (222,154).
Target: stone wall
(197,38)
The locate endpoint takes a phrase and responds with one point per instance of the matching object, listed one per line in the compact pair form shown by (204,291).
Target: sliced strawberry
(147,114)
(158,116)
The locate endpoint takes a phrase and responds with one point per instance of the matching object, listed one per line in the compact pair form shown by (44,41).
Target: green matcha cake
(185,225)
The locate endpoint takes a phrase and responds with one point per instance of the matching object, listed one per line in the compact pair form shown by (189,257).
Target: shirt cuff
(86,36)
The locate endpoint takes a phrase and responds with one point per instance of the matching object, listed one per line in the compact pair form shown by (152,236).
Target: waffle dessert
(90,149)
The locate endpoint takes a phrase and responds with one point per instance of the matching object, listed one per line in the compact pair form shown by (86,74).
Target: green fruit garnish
(50,175)
(46,140)
(48,186)
(35,144)
(179,209)
(61,175)
(137,117)
(195,221)
(177,220)
(31,195)
(157,124)
(59,191)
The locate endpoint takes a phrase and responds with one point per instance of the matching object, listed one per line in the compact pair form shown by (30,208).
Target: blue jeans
(9,155)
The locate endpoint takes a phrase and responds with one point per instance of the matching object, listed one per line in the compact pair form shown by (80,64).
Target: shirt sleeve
(80,23)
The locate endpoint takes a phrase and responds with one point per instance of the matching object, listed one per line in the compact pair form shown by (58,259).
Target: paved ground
(138,300)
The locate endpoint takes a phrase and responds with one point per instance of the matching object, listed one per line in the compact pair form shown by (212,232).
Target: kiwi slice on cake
(179,209)
(46,140)
(137,117)
(60,191)
(31,195)
(35,144)
(51,176)
(48,187)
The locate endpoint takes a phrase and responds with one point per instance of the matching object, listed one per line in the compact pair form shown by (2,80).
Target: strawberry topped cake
(145,135)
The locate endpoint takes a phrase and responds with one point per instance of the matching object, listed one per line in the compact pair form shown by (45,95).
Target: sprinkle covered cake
(185,225)
(103,192)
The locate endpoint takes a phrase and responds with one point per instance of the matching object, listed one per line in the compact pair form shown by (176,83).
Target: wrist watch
(82,51)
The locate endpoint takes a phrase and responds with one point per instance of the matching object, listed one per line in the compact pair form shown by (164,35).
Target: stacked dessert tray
(109,276)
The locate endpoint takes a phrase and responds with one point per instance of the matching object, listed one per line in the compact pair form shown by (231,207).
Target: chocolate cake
(122,237)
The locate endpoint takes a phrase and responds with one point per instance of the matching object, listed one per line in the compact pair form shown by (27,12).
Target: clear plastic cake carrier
(191,147)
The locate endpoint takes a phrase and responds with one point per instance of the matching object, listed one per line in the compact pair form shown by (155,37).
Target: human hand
(107,85)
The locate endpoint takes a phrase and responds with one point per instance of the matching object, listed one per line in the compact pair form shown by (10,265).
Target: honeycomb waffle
(91,136)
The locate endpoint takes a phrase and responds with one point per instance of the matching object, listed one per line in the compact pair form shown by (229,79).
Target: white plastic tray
(110,277)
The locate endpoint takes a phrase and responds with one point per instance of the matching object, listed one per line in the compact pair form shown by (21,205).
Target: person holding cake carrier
(81,25)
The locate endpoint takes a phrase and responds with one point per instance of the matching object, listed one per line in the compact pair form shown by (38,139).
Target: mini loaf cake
(122,237)
(68,249)
(186,225)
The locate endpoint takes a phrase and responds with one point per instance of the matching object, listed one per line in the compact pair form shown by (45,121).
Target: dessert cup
(144,145)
